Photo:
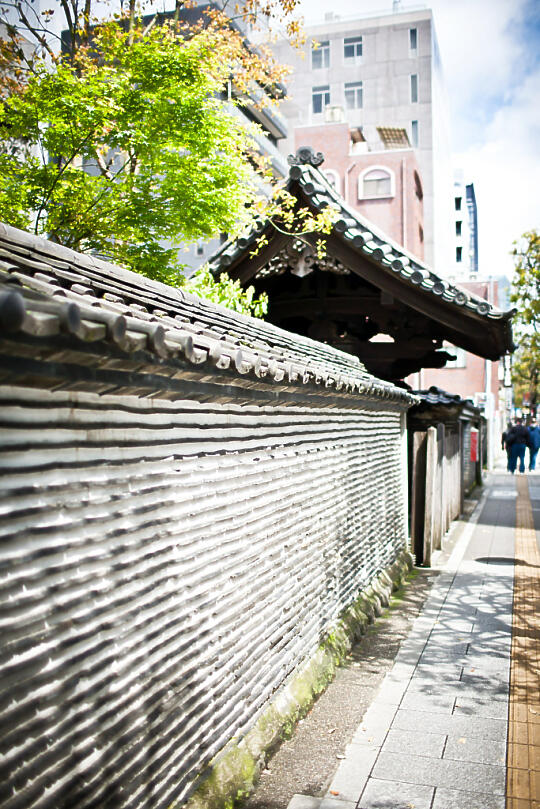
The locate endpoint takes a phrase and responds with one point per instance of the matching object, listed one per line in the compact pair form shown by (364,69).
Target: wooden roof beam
(388,352)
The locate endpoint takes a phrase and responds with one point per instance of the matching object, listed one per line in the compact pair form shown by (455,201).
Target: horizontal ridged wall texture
(165,567)
(469,467)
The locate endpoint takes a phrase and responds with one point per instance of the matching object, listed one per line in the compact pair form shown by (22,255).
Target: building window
(352,50)
(457,203)
(459,254)
(354,96)
(320,55)
(333,179)
(320,97)
(414,133)
(421,233)
(458,228)
(413,40)
(414,88)
(376,182)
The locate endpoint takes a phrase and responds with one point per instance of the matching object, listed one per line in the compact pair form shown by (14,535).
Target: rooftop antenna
(396,6)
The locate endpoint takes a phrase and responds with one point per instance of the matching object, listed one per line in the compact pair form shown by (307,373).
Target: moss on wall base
(236,768)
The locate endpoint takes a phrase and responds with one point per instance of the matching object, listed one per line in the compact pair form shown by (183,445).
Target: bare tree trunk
(86,21)
(71,20)
(177,6)
(131,21)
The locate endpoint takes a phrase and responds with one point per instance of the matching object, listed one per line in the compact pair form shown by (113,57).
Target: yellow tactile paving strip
(523,758)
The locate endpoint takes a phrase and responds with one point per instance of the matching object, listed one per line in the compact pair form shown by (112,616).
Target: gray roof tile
(47,289)
(367,240)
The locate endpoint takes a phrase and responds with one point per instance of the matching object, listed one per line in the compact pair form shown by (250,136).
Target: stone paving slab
(482,751)
(482,706)
(353,772)
(495,677)
(456,724)
(448,694)
(498,644)
(451,724)
(489,622)
(492,631)
(463,691)
(304,802)
(308,802)
(413,769)
(448,671)
(430,703)
(439,653)
(457,624)
(457,799)
(332,803)
(440,720)
(477,654)
(487,662)
(423,744)
(392,691)
(375,725)
(395,795)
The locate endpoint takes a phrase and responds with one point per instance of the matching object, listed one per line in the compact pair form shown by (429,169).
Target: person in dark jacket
(518,440)
(505,446)
(534,444)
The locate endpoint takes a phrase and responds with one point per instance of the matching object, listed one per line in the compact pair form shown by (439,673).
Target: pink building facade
(469,375)
(383,185)
(474,377)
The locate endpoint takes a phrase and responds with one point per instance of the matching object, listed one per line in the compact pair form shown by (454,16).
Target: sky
(490,51)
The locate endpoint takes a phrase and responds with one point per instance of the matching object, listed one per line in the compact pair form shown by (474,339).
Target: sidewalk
(456,721)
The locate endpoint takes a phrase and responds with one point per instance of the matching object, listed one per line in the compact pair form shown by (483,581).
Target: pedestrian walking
(505,446)
(517,440)
(534,444)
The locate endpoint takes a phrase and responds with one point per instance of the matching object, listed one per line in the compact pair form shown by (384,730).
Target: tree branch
(103,167)
(97,198)
(177,7)
(150,25)
(131,21)
(86,21)
(49,194)
(71,21)
(34,31)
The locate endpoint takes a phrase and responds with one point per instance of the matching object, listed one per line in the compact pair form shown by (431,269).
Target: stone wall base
(236,769)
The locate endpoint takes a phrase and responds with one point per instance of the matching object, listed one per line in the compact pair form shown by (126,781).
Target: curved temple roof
(435,401)
(82,310)
(356,246)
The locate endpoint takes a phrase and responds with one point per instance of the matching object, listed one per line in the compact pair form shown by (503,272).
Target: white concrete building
(465,229)
(384,71)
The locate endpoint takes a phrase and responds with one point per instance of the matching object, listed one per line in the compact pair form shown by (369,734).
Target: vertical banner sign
(474,444)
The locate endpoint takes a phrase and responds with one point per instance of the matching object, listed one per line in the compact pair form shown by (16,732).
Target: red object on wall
(474,444)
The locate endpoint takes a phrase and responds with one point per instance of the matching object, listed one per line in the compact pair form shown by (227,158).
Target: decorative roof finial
(306,156)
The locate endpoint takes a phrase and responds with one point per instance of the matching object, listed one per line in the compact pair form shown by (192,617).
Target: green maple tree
(526,296)
(126,143)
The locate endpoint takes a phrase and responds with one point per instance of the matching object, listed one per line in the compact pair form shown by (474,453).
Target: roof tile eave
(413,270)
(414,263)
(98,301)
